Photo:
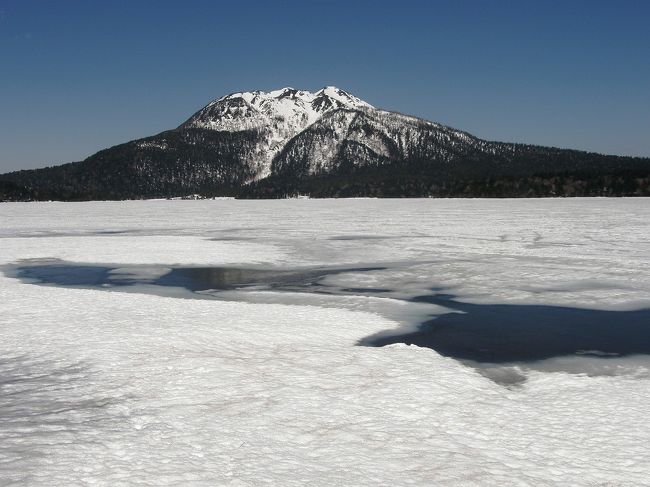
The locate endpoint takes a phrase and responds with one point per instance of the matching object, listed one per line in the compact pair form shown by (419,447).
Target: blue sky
(78,76)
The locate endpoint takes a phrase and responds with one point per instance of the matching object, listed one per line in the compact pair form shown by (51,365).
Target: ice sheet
(106,388)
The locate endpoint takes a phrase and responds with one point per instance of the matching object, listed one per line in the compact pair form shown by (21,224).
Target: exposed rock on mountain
(327,143)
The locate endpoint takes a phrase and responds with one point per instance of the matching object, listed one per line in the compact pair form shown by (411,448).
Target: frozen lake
(222,342)
(492,333)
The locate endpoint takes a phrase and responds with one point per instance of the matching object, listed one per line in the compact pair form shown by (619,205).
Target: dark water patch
(193,279)
(228,278)
(474,333)
(364,290)
(61,274)
(501,333)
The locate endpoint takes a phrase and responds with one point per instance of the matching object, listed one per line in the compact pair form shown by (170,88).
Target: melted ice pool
(489,333)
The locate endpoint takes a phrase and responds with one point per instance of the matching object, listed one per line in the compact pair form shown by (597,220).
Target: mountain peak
(287,108)
(278,114)
(343,98)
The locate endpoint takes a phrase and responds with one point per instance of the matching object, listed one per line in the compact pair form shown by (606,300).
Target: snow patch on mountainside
(152,144)
(276,115)
(286,111)
(369,137)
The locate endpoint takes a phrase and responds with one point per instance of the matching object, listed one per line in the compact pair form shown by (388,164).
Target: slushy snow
(111,388)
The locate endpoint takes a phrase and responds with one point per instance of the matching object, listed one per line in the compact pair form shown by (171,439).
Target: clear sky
(77,76)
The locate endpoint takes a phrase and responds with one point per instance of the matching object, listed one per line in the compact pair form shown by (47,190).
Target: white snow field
(259,387)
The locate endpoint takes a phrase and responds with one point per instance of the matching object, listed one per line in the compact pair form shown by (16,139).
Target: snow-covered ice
(101,387)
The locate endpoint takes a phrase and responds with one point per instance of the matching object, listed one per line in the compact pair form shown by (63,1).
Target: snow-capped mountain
(276,116)
(290,108)
(309,133)
(326,143)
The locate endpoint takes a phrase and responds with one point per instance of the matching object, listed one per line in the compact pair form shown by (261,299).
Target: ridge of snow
(257,109)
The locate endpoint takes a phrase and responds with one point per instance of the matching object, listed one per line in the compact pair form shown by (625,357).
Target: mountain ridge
(279,115)
(289,141)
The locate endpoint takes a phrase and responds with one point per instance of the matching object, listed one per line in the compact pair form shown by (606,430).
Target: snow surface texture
(113,388)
